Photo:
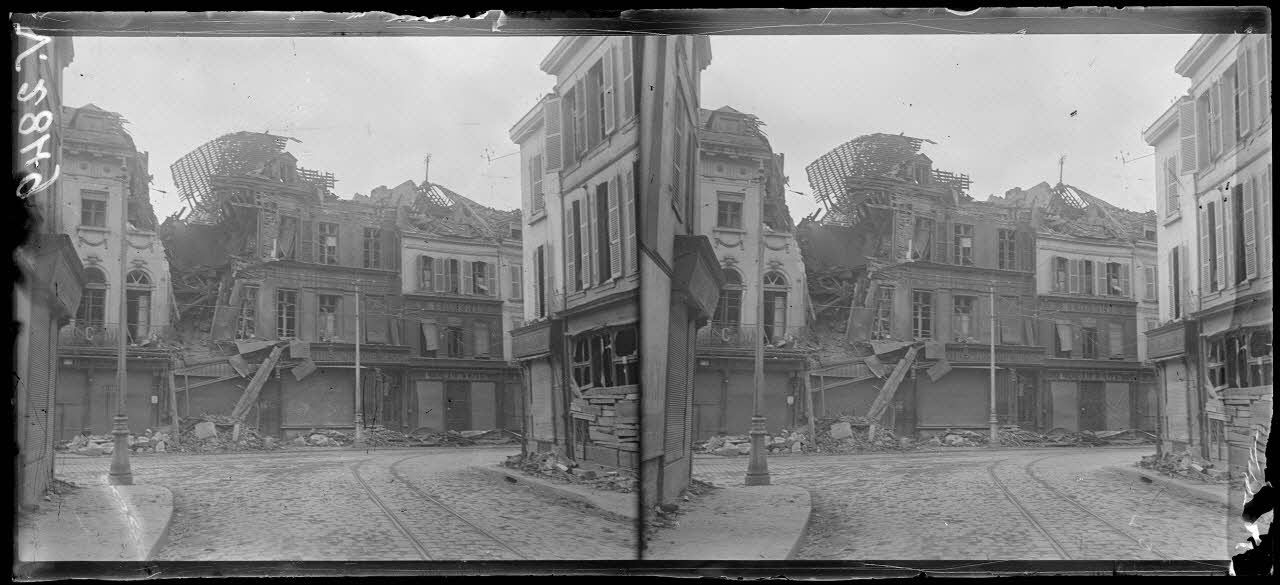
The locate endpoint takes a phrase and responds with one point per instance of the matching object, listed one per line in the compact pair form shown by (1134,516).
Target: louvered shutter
(629,221)
(1250,235)
(422,273)
(468,284)
(1155,283)
(1077,347)
(588,245)
(1026,252)
(1226,92)
(1220,230)
(628,80)
(538,268)
(615,230)
(581,124)
(1206,232)
(306,242)
(940,249)
(570,261)
(440,276)
(481,336)
(1244,85)
(1125,277)
(491,273)
(548,282)
(1264,217)
(677,388)
(1184,281)
(552,134)
(1174,270)
(610,97)
(569,128)
(1187,134)
(1073,276)
(1260,92)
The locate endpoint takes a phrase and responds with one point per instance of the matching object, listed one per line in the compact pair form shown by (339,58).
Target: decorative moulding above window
(88,242)
(738,244)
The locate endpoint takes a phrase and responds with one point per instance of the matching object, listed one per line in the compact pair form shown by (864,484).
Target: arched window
(775,279)
(93,301)
(137,279)
(138,305)
(729,309)
(775,306)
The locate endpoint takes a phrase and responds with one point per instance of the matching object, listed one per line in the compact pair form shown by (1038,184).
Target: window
(922,242)
(1149,282)
(1117,279)
(1007,253)
(964,244)
(426,273)
(540,291)
(372,248)
(481,336)
(1011,322)
(453,343)
(626,357)
(1175,282)
(136,279)
(93,208)
(247,322)
(1089,342)
(604,232)
(678,154)
(327,321)
(517,282)
(286,314)
(1238,232)
(729,213)
(1062,341)
(922,314)
(582,362)
(328,243)
(1239,75)
(600,116)
(580,117)
(1060,272)
(1215,363)
(1171,185)
(604,359)
(1117,341)
(1211,259)
(1089,277)
(575,266)
(93,301)
(628,91)
(535,182)
(287,238)
(962,318)
(883,326)
(729,309)
(453,276)
(480,278)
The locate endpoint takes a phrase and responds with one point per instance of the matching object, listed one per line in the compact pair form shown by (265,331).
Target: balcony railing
(746,336)
(108,335)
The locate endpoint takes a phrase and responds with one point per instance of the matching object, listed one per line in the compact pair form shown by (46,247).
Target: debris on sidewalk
(211,432)
(1186,465)
(731,445)
(150,441)
(569,471)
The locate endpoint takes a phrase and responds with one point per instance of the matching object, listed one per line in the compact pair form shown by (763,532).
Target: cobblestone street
(391,504)
(1043,504)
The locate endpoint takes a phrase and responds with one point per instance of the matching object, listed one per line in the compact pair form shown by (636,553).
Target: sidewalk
(1215,493)
(736,522)
(97,523)
(621,504)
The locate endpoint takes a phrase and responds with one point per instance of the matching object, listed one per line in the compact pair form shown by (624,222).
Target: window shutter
(1264,221)
(580,123)
(1260,92)
(441,278)
(1220,229)
(610,97)
(1076,344)
(588,246)
(537,283)
(1173,269)
(1250,233)
(615,230)
(628,84)
(1116,341)
(629,221)
(307,242)
(1026,253)
(570,262)
(1244,86)
(491,275)
(553,134)
(1073,276)
(1228,118)
(594,99)
(482,338)
(1187,134)
(468,284)
(1184,281)
(422,273)
(569,128)
(940,252)
(1206,232)
(1155,283)
(1124,281)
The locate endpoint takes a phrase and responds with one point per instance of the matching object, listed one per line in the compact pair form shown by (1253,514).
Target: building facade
(744,211)
(1096,291)
(579,347)
(104,177)
(905,257)
(1216,208)
(48,275)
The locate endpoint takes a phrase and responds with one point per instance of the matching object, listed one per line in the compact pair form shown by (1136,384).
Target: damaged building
(1096,293)
(104,175)
(738,169)
(901,266)
(274,272)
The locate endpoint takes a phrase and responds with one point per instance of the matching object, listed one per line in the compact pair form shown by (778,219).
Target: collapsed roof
(431,208)
(1069,210)
(873,155)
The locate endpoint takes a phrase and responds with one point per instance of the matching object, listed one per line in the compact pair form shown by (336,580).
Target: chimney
(426,170)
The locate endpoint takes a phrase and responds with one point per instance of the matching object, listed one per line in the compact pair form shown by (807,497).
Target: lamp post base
(359,438)
(995,430)
(758,466)
(121,472)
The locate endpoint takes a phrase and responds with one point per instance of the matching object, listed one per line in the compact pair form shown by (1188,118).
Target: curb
(804,529)
(544,487)
(1173,485)
(163,539)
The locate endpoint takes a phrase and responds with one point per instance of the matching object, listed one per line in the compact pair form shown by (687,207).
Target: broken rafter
(891,386)
(251,392)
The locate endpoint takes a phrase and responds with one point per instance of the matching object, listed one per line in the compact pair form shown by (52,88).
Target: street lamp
(993,420)
(758,465)
(121,472)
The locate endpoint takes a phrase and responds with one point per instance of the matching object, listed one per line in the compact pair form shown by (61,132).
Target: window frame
(337,319)
(922,314)
(726,216)
(963,255)
(326,254)
(286,313)
(100,198)
(968,316)
(372,247)
(1006,249)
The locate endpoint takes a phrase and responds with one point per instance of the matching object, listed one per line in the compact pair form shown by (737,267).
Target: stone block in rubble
(841,430)
(205,430)
(744,448)
(728,450)
(796,448)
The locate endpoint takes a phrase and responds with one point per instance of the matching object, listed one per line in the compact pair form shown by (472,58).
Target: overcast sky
(369,109)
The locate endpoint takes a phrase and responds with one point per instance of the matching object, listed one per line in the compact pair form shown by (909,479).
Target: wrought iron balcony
(108,335)
(746,336)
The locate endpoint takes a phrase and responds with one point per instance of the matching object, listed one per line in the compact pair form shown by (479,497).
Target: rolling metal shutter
(677,392)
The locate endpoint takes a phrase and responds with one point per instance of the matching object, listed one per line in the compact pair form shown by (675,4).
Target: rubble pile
(849,434)
(212,432)
(1185,465)
(733,445)
(323,438)
(557,467)
(961,438)
(150,441)
(427,438)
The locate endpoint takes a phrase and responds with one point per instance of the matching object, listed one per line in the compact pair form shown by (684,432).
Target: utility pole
(121,472)
(758,465)
(359,396)
(995,437)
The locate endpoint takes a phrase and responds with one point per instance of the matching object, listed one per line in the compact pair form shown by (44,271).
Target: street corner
(616,503)
(735,522)
(97,523)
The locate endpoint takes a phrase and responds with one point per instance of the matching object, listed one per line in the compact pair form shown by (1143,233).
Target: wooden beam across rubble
(891,386)
(251,392)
